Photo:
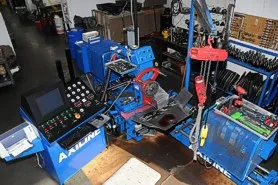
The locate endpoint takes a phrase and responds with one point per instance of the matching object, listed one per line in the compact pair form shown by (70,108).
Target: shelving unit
(269,85)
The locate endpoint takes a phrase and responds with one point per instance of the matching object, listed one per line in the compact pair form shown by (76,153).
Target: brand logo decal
(214,164)
(79,145)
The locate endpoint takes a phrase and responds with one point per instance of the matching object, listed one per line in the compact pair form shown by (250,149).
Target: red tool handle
(240,90)
(155,71)
(200,89)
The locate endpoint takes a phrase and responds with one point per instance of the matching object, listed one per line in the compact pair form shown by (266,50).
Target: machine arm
(204,15)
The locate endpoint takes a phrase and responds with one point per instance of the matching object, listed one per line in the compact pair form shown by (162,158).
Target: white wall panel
(4,35)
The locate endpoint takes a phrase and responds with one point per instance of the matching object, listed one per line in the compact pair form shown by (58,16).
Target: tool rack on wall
(270,86)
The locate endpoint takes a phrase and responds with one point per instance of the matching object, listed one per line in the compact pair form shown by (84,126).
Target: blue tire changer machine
(125,97)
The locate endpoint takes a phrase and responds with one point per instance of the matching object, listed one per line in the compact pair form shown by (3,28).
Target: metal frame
(205,16)
(272,91)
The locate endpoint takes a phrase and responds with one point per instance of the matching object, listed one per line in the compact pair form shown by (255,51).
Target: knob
(73,85)
(77,116)
(78,82)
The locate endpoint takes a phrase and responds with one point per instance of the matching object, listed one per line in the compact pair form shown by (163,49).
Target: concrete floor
(36,54)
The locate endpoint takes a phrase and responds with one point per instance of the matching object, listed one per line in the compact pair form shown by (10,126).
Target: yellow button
(77,116)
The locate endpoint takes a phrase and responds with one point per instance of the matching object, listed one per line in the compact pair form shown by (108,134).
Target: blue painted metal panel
(82,57)
(142,57)
(190,44)
(253,48)
(99,55)
(232,149)
(62,164)
(74,35)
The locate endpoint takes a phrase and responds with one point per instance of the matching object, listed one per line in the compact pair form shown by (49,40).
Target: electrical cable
(117,97)
(38,160)
(90,83)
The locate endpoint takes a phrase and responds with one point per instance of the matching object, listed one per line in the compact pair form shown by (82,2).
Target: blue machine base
(62,164)
(269,179)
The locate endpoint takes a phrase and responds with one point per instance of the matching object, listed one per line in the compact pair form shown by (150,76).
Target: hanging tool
(206,54)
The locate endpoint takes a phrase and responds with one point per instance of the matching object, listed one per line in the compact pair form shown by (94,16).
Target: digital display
(49,102)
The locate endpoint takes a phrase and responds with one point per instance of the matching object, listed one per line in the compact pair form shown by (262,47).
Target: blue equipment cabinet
(62,164)
(92,57)
(232,148)
(100,54)
(57,127)
(73,36)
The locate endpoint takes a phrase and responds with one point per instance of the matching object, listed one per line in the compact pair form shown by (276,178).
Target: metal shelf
(268,87)
(248,66)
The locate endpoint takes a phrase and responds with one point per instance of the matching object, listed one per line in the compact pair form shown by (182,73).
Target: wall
(30,6)
(83,8)
(261,8)
(179,20)
(4,35)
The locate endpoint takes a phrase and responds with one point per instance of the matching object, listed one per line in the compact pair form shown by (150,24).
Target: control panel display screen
(49,102)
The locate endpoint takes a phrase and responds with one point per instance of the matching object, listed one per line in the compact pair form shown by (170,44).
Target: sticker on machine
(213,163)
(88,138)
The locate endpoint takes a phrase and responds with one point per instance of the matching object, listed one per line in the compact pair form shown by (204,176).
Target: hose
(196,131)
(117,97)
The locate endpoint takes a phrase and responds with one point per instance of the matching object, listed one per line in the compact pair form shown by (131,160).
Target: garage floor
(36,54)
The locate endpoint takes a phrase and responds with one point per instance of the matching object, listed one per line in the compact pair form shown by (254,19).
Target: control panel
(82,106)
(143,54)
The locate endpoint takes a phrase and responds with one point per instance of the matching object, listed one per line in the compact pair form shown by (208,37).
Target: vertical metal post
(264,90)
(190,44)
(135,21)
(60,71)
(70,65)
(275,78)
(108,76)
